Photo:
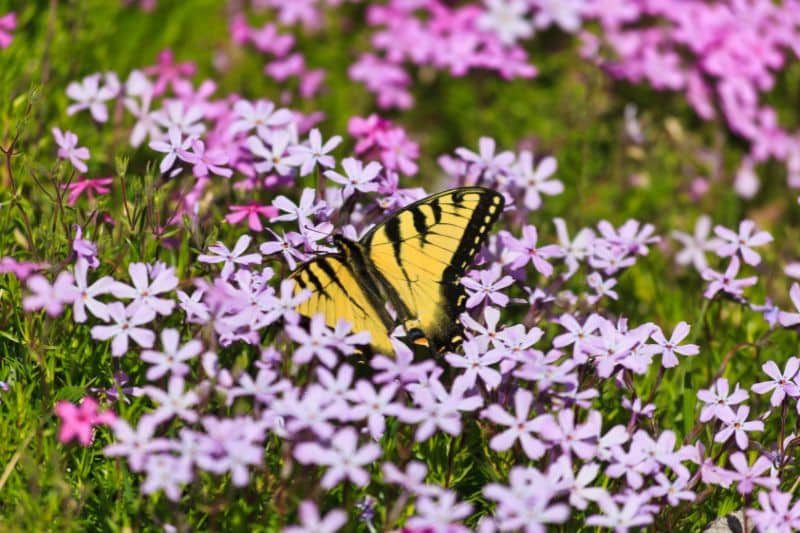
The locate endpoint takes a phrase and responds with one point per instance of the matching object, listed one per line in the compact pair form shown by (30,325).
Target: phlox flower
(316,153)
(316,342)
(485,162)
(602,287)
(171,147)
(77,422)
(85,294)
(668,348)
(440,512)
(357,177)
(748,476)
(313,411)
(576,250)
(786,318)
(565,13)
(68,149)
(525,504)
(21,269)
(166,472)
(89,94)
(187,119)
(399,366)
(230,258)
(136,444)
(50,298)
(231,445)
(487,287)
(630,514)
(577,334)
(205,161)
(144,291)
(439,408)
(506,18)
(534,180)
(695,246)
(251,212)
(274,158)
(197,312)
(168,72)
(527,251)
(718,397)
(736,424)
(483,333)
(127,325)
(777,512)
(344,458)
(263,388)
(8,23)
(312,522)
(398,152)
(727,282)
(476,363)
(260,116)
(579,485)
(742,242)
(89,186)
(781,384)
(173,356)
(571,438)
(174,401)
(520,427)
(373,405)
(301,211)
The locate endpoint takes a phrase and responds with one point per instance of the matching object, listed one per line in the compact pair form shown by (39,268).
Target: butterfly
(404,271)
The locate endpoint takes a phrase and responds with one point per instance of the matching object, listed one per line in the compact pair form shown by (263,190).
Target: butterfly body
(413,261)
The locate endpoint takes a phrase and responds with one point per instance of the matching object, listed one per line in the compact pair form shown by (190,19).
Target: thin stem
(15,191)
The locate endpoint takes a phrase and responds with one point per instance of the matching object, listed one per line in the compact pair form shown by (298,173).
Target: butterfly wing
(337,293)
(423,250)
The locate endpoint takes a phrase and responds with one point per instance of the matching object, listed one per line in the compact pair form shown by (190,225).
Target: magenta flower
(727,282)
(781,384)
(748,476)
(743,242)
(717,399)
(205,160)
(126,326)
(68,149)
(50,298)
(89,94)
(668,348)
(77,422)
(89,186)
(344,458)
(736,424)
(520,427)
(231,258)
(398,152)
(487,286)
(527,251)
(312,522)
(168,72)
(251,212)
(8,23)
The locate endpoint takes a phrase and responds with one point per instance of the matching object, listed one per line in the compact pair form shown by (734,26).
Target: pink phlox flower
(84,249)
(534,180)
(668,348)
(486,332)
(175,143)
(357,177)
(344,459)
(174,401)
(231,258)
(78,422)
(576,250)
(743,242)
(516,344)
(126,326)
(612,346)
(86,295)
(267,39)
(315,153)
(782,383)
(260,116)
(366,130)
(601,287)
(631,237)
(8,23)
(173,357)
(50,298)
(438,408)
(727,282)
(579,440)
(314,342)
(166,472)
(630,514)
(136,444)
(526,503)
(399,365)
(748,476)
(251,212)
(520,427)
(695,246)
(717,398)
(527,251)
(205,160)
(737,425)
(398,152)
(197,312)
(477,363)
(786,318)
(577,335)
(485,286)
(89,186)
(312,522)
(343,336)
(21,269)
(68,149)
(89,94)
(374,406)
(486,163)
(168,72)
(145,291)
(777,512)
(231,445)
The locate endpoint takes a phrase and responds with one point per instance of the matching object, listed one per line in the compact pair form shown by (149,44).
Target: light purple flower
(86,294)
(50,298)
(668,348)
(173,356)
(695,246)
(316,153)
(736,424)
(787,319)
(231,258)
(88,94)
(716,399)
(144,291)
(781,384)
(726,282)
(126,326)
(343,458)
(171,147)
(488,285)
(519,426)
(748,476)
(743,242)
(312,522)
(357,177)
(68,149)
(527,251)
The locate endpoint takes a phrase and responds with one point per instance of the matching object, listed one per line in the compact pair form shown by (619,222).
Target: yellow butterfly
(404,271)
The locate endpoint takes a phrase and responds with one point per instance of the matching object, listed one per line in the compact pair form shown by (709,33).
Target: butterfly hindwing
(337,293)
(423,250)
